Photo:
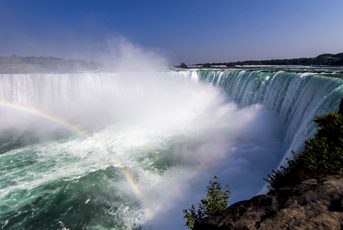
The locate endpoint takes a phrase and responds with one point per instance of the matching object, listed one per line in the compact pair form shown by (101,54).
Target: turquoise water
(69,141)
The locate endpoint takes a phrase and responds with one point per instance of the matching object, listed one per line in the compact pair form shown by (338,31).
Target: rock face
(313,204)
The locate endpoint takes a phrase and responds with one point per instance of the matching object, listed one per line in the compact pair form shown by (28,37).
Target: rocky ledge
(313,204)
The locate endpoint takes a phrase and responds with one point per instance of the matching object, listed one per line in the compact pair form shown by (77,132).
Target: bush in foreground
(322,155)
(215,201)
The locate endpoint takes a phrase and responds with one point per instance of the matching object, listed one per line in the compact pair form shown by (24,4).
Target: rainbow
(79,131)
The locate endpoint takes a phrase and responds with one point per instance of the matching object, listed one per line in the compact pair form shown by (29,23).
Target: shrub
(215,201)
(183,65)
(322,155)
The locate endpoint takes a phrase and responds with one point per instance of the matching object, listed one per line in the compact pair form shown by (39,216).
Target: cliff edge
(313,204)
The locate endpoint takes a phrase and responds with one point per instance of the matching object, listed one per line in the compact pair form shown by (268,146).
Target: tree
(215,201)
(322,155)
(231,64)
(183,65)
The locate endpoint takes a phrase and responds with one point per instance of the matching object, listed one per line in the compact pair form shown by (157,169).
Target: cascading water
(296,97)
(131,151)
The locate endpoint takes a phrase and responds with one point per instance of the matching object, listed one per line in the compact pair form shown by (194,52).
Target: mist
(229,144)
(127,56)
(171,133)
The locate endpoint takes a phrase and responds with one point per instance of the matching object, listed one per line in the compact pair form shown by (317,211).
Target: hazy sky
(183,31)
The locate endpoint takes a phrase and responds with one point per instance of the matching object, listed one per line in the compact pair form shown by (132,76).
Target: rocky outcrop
(313,204)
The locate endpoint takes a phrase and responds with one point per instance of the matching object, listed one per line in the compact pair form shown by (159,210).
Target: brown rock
(313,204)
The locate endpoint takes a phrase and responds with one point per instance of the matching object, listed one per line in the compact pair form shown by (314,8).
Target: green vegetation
(322,155)
(230,65)
(215,201)
(183,65)
(323,59)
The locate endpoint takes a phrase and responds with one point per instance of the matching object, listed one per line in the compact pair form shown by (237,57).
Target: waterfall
(296,97)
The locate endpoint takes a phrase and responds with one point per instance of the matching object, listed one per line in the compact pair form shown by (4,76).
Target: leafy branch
(216,200)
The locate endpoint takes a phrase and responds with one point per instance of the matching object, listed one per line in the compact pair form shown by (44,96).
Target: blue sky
(182,31)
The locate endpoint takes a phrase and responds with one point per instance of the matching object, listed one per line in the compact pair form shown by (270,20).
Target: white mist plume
(127,56)
(240,146)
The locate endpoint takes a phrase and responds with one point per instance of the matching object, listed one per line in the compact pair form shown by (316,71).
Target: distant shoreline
(321,60)
(32,64)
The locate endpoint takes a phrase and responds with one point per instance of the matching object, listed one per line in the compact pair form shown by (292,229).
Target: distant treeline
(323,59)
(19,64)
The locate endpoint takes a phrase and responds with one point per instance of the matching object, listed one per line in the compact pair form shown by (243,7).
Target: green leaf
(215,201)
